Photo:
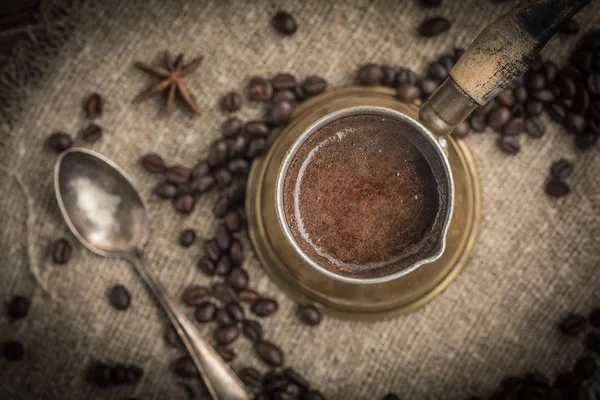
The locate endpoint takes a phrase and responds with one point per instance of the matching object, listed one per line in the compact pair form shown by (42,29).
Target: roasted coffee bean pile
(285,384)
(105,375)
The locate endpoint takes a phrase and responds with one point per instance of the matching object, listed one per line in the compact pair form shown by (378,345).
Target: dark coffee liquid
(361,199)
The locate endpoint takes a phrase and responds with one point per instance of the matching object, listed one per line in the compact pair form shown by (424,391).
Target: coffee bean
(569,27)
(223,177)
(233,221)
(203,184)
(369,75)
(251,377)
(237,191)
(185,367)
(593,83)
(248,296)
(447,61)
(226,334)
(565,102)
(427,86)
(195,295)
(231,128)
(300,94)
(408,92)
(437,71)
(549,69)
(184,203)
(284,95)
(18,307)
(277,387)
(252,330)
(93,106)
(259,89)
(434,26)
(134,374)
(567,86)
(221,206)
(477,123)
(309,314)
(223,266)
(556,112)
(534,108)
(232,101)
(171,337)
(269,353)
(585,140)
(295,378)
(217,153)
(520,94)
(226,353)
(235,311)
(223,237)
(573,325)
(461,130)
(238,279)
(518,110)
(514,127)
(264,307)
(562,169)
(575,123)
(585,367)
(557,188)
(498,118)
(388,75)
(430,3)
(256,147)
(509,144)
(118,375)
(61,252)
(59,141)
(165,190)
(284,81)
(535,127)
(119,297)
(211,250)
(224,293)
(13,350)
(312,395)
(187,237)
(284,23)
(535,80)
(91,133)
(178,174)
(100,374)
(592,342)
(207,267)
(405,75)
(256,128)
(223,318)
(581,101)
(205,311)
(279,113)
(544,95)
(237,148)
(506,98)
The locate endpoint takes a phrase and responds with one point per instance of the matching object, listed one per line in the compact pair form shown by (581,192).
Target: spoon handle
(221,381)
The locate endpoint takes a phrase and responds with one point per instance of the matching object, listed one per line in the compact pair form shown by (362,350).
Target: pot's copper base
(362,302)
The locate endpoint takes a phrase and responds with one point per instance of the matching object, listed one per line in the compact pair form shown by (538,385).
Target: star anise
(172,75)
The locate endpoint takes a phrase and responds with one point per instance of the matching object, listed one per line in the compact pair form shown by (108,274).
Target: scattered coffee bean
(369,75)
(279,114)
(477,123)
(185,367)
(224,293)
(232,101)
(388,76)
(134,374)
(535,80)
(295,378)
(405,75)
(226,353)
(93,106)
(100,374)
(284,95)
(231,128)
(408,92)
(18,307)
(535,127)
(584,140)
(171,337)
(573,325)
(309,314)
(256,147)
(594,318)
(518,110)
(312,395)
(592,342)
(556,113)
(239,166)
(314,85)
(256,128)
(561,169)
(427,86)
(269,353)
(544,95)
(223,177)
(184,203)
(118,375)
(203,184)
(498,118)
(226,334)
(211,250)
(251,377)
(514,127)
(557,188)
(434,26)
(505,98)
(61,252)
(252,330)
(205,312)
(59,142)
(206,266)
(223,237)
(165,190)
(237,149)
(461,130)
(575,123)
(585,367)
(178,174)
(275,382)
(520,94)
(233,221)
(593,83)
(223,318)
(119,297)
(238,279)
(534,108)
(195,295)
(259,89)
(284,81)
(248,296)
(437,71)
(13,350)
(187,237)
(223,266)
(235,311)
(91,133)
(221,206)
(509,144)
(217,153)
(284,23)
(264,307)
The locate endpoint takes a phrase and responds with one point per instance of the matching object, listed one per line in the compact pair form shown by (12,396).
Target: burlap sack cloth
(535,261)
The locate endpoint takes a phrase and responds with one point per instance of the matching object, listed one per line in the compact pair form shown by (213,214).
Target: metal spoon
(105,212)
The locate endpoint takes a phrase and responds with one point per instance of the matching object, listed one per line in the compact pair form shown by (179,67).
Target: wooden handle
(506,48)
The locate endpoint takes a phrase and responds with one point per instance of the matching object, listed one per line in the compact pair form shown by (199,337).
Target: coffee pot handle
(502,52)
